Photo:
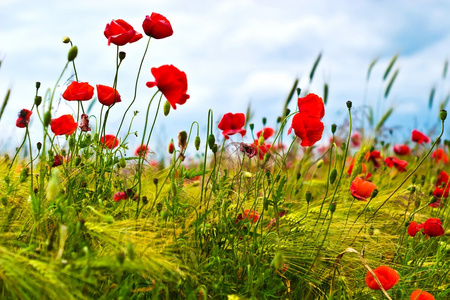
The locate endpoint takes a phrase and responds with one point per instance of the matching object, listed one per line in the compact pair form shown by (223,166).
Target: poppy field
(234,209)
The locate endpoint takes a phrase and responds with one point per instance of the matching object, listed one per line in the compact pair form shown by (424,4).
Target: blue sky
(234,52)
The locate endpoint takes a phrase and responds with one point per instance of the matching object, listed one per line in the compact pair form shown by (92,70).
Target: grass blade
(5,102)
(389,68)
(384,119)
(444,72)
(391,82)
(313,70)
(289,97)
(430,100)
(372,64)
(325,93)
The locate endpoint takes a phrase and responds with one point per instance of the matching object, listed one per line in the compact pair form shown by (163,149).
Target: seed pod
(443,114)
(349,104)
(308,196)
(333,176)
(122,55)
(374,193)
(73,52)
(332,207)
(166,108)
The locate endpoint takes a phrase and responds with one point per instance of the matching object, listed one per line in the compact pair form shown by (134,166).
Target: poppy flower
(172,83)
(355,139)
(84,123)
(308,129)
(110,141)
(312,105)
(57,161)
(439,155)
(442,185)
(375,157)
(433,227)
(120,33)
(267,132)
(419,137)
(231,124)
(142,150)
(80,91)
(387,276)
(157,26)
(414,228)
(63,125)
(24,118)
(107,95)
(251,215)
(421,295)
(361,189)
(401,149)
(397,163)
(261,149)
(120,196)
(248,149)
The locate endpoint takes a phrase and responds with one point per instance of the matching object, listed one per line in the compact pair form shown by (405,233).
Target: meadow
(287,216)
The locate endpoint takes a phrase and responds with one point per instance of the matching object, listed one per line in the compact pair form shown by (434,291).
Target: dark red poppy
(261,149)
(231,124)
(248,149)
(361,189)
(387,276)
(268,132)
(107,95)
(375,157)
(442,185)
(120,196)
(251,215)
(172,83)
(433,227)
(110,141)
(57,161)
(414,228)
(307,128)
(419,137)
(80,91)
(402,149)
(63,125)
(312,105)
(24,118)
(157,26)
(439,154)
(421,295)
(355,139)
(142,150)
(397,163)
(84,123)
(120,33)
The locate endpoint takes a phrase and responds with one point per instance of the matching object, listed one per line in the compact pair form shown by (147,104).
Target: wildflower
(142,150)
(84,123)
(387,276)
(355,139)
(433,227)
(402,149)
(172,83)
(63,125)
(419,137)
(261,149)
(24,118)
(251,215)
(120,33)
(414,228)
(439,155)
(80,91)
(362,189)
(375,157)
(157,26)
(107,95)
(442,185)
(267,132)
(421,295)
(312,105)
(171,148)
(57,161)
(231,124)
(120,196)
(397,163)
(248,149)
(110,141)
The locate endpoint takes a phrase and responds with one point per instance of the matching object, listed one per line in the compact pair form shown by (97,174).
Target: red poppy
(120,33)
(402,149)
(157,26)
(107,95)
(363,169)
(355,139)
(232,124)
(261,149)
(375,157)
(421,295)
(362,189)
(63,125)
(442,185)
(312,105)
(142,150)
(387,276)
(268,132)
(172,83)
(57,161)
(110,141)
(397,163)
(307,128)
(414,228)
(419,137)
(80,91)
(439,155)
(120,196)
(251,215)
(433,227)
(84,123)
(171,148)
(24,118)
(248,149)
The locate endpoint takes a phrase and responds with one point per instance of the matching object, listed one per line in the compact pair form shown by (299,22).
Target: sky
(234,52)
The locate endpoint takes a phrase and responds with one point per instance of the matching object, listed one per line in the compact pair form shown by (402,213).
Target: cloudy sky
(234,52)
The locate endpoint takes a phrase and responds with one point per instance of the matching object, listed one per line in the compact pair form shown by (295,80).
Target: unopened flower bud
(155,181)
(24,174)
(333,128)
(171,148)
(251,126)
(333,176)
(77,160)
(122,55)
(38,85)
(215,148)
(371,229)
(122,162)
(159,207)
(66,40)
(319,164)
(166,108)
(37,100)
(413,179)
(197,143)
(443,114)
(261,140)
(422,180)
(211,141)
(73,52)
(182,138)
(278,261)
(308,196)
(47,118)
(39,146)
(349,104)
(374,193)
(287,112)
(417,203)
(298,176)
(332,207)
(264,121)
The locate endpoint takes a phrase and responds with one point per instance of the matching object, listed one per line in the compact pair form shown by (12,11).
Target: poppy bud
(155,181)
(37,100)
(278,262)
(279,119)
(5,200)
(333,128)
(349,104)
(287,112)
(38,85)
(333,176)
(266,157)
(122,162)
(73,52)
(39,146)
(166,108)
(159,207)
(66,40)
(298,176)
(374,193)
(211,141)
(299,90)
(264,121)
(77,160)
(332,207)
(122,55)
(320,164)
(443,114)
(433,199)
(215,148)
(47,118)
(413,179)
(422,180)
(171,148)
(412,190)
(182,137)
(144,200)
(251,126)
(261,139)
(197,142)
(308,196)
